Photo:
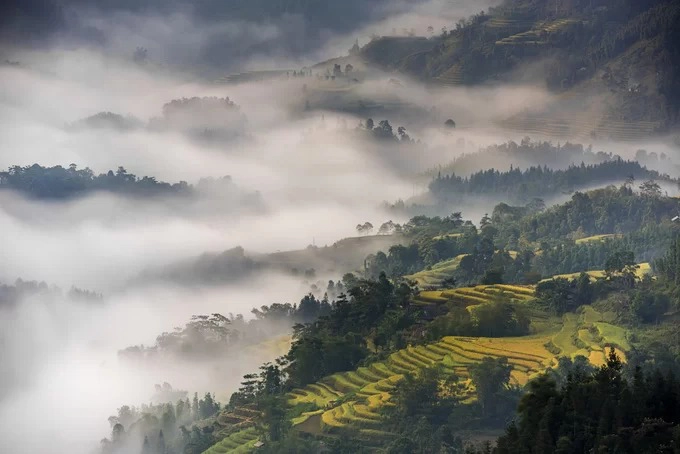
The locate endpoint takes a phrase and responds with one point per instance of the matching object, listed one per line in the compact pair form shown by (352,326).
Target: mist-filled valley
(337,227)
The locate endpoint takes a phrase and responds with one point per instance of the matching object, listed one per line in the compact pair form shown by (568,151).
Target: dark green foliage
(275,423)
(490,377)
(430,395)
(564,295)
(597,412)
(423,406)
(427,414)
(377,310)
(66,183)
(649,306)
(500,319)
(668,266)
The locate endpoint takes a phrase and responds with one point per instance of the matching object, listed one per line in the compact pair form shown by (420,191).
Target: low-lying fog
(60,378)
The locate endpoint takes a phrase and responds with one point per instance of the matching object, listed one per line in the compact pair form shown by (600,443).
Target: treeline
(429,240)
(384,131)
(602,211)
(522,185)
(374,312)
(58,182)
(522,244)
(531,153)
(215,335)
(11,295)
(163,428)
(207,118)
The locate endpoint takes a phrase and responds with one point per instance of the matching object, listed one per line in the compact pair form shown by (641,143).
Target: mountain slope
(621,57)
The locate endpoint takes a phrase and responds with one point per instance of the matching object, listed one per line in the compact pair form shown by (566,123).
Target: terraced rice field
(614,335)
(537,35)
(453,76)
(587,334)
(642,270)
(507,22)
(353,399)
(238,442)
(234,420)
(580,127)
(438,273)
(482,294)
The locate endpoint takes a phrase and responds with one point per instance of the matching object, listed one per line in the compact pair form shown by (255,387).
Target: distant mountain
(621,55)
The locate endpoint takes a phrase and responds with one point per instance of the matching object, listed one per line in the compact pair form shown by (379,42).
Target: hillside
(353,402)
(613,63)
(441,339)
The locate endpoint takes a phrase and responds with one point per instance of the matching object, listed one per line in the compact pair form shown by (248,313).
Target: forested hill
(60,183)
(523,185)
(627,50)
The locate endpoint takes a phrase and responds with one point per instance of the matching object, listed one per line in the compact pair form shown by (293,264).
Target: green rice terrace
(353,400)
(641,270)
(537,35)
(437,274)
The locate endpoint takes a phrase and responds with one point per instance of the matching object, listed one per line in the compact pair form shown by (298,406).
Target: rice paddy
(537,35)
(241,441)
(483,294)
(642,270)
(583,127)
(352,400)
(435,276)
